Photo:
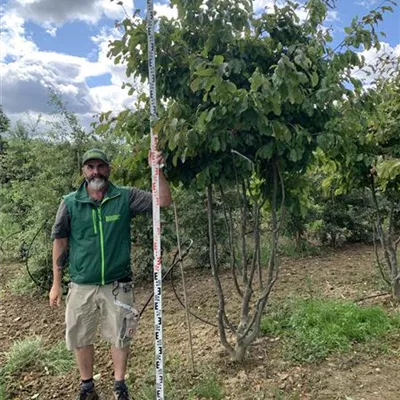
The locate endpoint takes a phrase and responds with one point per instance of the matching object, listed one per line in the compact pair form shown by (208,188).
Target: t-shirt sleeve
(62,226)
(139,201)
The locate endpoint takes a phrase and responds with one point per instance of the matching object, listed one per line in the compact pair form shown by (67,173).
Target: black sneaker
(121,393)
(87,394)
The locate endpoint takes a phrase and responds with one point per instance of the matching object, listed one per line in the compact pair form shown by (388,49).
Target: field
(366,371)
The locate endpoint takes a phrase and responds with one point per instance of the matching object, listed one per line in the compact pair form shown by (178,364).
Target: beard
(97,183)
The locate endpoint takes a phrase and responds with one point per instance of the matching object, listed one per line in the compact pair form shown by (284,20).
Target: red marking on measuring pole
(155,173)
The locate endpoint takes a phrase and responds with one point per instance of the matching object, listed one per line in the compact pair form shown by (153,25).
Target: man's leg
(81,322)
(85,359)
(118,323)
(120,360)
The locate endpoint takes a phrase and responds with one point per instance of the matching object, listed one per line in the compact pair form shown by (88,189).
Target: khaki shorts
(110,305)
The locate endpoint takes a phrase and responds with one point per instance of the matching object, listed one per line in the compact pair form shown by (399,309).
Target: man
(92,229)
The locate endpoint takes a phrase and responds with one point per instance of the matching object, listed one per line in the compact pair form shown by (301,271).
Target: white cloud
(378,64)
(27,73)
(52,31)
(26,83)
(102,40)
(164,10)
(57,12)
(14,42)
(112,98)
(367,3)
(267,6)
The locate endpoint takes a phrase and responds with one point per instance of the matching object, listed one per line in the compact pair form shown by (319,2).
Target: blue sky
(63,44)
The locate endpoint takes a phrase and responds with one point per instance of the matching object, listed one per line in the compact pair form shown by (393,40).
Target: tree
(364,147)
(243,101)
(384,127)
(4,125)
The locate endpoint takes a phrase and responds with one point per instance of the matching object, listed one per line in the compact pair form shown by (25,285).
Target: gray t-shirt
(139,202)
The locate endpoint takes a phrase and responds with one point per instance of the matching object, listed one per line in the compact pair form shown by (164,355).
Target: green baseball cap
(95,154)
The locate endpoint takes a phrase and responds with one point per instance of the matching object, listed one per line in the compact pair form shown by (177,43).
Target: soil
(364,373)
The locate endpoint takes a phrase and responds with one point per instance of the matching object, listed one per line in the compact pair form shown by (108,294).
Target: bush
(348,217)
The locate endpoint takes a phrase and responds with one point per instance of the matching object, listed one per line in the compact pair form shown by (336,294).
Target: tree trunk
(388,247)
(240,352)
(396,289)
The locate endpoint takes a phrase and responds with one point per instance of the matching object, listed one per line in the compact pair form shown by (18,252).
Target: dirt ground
(364,373)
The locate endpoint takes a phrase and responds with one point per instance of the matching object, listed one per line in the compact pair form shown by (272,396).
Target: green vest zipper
(101,245)
(102,240)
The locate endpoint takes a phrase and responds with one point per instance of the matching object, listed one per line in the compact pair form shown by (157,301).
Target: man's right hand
(55,296)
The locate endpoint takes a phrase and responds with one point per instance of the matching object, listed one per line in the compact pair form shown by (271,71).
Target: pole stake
(155,174)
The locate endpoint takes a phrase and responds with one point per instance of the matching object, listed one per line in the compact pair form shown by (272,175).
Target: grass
(208,388)
(58,360)
(281,395)
(22,355)
(21,284)
(3,394)
(179,382)
(29,354)
(147,390)
(315,327)
(288,248)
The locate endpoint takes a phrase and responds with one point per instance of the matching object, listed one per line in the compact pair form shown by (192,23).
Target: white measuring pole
(155,173)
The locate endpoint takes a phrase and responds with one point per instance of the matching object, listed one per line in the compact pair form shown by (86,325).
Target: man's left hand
(158,156)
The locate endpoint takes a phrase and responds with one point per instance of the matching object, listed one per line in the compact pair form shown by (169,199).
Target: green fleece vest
(99,243)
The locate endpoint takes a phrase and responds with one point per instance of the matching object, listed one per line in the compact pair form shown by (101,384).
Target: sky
(62,45)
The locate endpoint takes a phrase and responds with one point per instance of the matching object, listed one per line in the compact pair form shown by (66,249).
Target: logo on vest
(112,218)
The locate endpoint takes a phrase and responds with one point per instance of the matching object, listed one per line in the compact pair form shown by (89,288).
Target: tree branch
(221,305)
(379,228)
(229,226)
(243,232)
(378,261)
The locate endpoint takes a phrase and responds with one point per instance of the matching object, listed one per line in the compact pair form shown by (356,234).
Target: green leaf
(195,85)
(281,131)
(192,139)
(276,108)
(266,151)
(218,60)
(205,72)
(173,124)
(293,155)
(210,115)
(256,81)
(215,144)
(204,53)
(202,178)
(314,79)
